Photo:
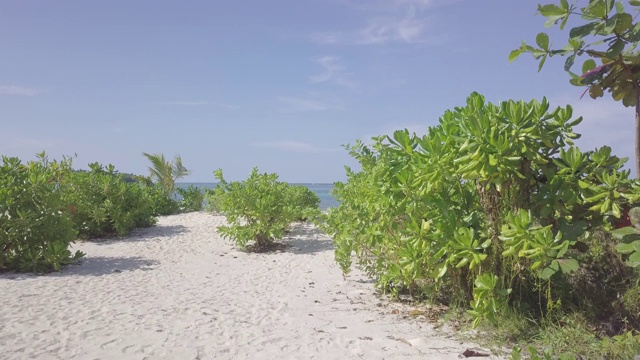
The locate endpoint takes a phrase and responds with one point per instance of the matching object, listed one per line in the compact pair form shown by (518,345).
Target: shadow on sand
(307,239)
(143,234)
(93,266)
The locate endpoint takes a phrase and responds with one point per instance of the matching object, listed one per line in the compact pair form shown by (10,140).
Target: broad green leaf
(625,248)
(546,273)
(588,65)
(542,40)
(515,54)
(582,31)
(634,259)
(568,265)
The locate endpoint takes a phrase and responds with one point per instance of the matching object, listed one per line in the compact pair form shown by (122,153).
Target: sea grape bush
(35,228)
(260,209)
(163,203)
(101,203)
(493,207)
(192,198)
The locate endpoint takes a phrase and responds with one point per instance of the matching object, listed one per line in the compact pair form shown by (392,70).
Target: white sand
(179,291)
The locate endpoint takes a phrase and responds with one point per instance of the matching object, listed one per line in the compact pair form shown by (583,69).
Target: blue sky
(276,84)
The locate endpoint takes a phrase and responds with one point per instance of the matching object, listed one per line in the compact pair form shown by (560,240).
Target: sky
(279,84)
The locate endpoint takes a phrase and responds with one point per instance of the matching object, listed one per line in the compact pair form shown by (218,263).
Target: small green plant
(192,198)
(259,209)
(35,228)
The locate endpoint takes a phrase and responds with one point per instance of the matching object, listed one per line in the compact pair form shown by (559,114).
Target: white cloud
(198,103)
(19,90)
(334,72)
(397,21)
(295,146)
(299,104)
(32,144)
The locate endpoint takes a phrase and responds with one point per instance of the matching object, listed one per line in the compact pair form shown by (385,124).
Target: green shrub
(162,203)
(102,203)
(212,200)
(260,208)
(305,202)
(494,207)
(192,198)
(35,228)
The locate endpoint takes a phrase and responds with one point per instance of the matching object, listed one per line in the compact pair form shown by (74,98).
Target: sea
(322,190)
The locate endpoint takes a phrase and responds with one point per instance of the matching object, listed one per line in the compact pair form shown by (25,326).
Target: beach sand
(180,291)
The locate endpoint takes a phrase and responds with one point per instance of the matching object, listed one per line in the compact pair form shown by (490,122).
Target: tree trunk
(638,136)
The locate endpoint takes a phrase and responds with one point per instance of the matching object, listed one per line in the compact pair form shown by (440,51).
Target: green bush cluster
(260,208)
(163,203)
(494,209)
(35,227)
(102,203)
(45,205)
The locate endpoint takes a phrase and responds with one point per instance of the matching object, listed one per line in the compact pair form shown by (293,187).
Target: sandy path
(179,291)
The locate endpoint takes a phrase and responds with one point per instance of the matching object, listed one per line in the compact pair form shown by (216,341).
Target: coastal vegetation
(607,33)
(495,210)
(260,209)
(46,205)
(36,228)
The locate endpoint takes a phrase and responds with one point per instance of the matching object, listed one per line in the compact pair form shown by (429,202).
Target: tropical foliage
(166,172)
(35,227)
(495,209)
(260,209)
(608,36)
(102,203)
(192,198)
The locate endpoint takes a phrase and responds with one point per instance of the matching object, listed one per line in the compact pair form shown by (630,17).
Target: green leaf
(569,62)
(542,40)
(634,259)
(582,31)
(634,2)
(588,65)
(515,54)
(544,58)
(546,273)
(595,91)
(568,265)
(625,231)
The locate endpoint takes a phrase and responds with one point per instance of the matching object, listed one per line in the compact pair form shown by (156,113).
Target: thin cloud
(199,103)
(399,21)
(29,143)
(294,146)
(19,90)
(299,104)
(334,72)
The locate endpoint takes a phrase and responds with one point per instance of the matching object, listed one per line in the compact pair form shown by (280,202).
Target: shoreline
(179,291)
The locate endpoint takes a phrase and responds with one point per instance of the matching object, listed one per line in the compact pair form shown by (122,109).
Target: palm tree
(166,172)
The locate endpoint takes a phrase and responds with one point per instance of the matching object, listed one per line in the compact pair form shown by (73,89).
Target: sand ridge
(180,291)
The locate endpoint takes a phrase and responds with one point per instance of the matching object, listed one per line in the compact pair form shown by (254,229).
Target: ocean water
(322,190)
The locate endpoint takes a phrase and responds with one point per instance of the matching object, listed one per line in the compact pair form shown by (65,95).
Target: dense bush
(35,228)
(163,203)
(494,207)
(260,208)
(102,203)
(192,198)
